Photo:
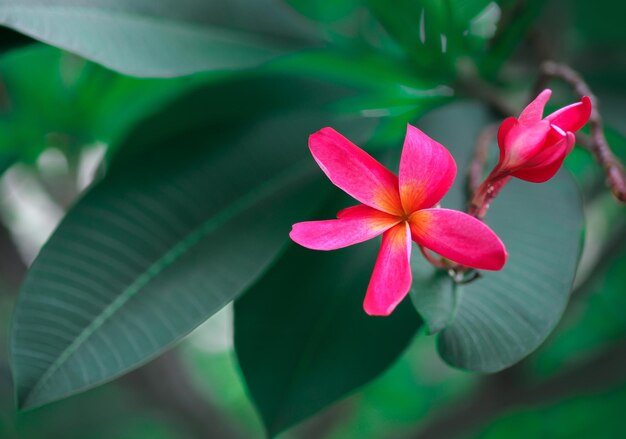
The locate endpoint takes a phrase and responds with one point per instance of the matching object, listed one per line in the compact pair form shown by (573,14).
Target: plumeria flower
(532,147)
(401,209)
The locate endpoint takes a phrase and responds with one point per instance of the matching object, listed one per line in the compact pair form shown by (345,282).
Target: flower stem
(482,194)
(485,194)
(481,153)
(439,263)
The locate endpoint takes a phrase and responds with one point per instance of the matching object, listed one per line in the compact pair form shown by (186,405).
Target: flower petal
(554,148)
(391,279)
(505,128)
(573,117)
(427,170)
(458,237)
(339,233)
(355,171)
(550,164)
(521,143)
(534,111)
(361,211)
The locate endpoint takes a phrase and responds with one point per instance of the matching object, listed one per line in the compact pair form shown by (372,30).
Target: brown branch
(596,142)
(481,152)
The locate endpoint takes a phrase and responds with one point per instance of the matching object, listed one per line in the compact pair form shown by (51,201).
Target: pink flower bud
(533,148)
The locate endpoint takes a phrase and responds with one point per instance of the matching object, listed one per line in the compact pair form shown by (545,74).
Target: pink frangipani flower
(532,147)
(401,209)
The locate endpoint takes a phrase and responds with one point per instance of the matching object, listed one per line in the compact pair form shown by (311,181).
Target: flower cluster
(404,208)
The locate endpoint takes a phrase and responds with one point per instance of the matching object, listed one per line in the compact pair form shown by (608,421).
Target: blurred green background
(62,119)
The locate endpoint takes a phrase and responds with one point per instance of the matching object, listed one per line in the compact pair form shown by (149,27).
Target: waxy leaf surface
(161,38)
(505,315)
(192,210)
(302,338)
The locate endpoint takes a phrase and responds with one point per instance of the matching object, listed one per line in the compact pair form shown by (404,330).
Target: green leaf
(508,314)
(325,10)
(193,209)
(159,39)
(56,99)
(434,294)
(435,33)
(302,338)
(516,21)
(505,315)
(389,89)
(595,317)
(292,342)
(597,25)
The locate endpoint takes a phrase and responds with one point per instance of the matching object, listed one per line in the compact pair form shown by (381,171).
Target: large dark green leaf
(189,215)
(303,340)
(302,337)
(505,315)
(595,318)
(159,38)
